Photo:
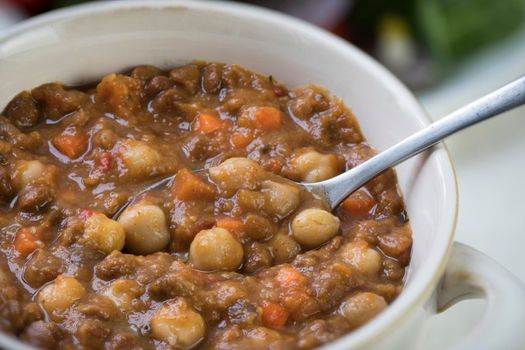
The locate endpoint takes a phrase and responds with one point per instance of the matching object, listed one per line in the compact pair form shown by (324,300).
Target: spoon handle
(503,99)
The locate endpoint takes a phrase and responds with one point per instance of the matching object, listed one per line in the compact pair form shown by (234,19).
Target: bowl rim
(406,303)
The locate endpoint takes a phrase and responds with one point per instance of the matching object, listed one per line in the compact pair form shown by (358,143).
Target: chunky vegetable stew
(229,255)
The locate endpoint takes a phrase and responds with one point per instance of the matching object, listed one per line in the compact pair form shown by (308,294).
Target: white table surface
(490,163)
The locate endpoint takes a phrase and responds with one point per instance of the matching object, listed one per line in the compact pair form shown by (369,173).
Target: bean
(280,199)
(361,307)
(313,227)
(139,159)
(177,324)
(146,228)
(237,173)
(60,294)
(216,249)
(103,234)
(362,258)
(26,172)
(313,166)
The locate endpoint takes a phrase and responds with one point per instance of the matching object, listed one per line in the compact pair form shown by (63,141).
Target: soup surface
(233,256)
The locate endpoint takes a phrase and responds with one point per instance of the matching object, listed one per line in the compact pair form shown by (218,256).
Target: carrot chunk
(26,242)
(234,226)
(267,118)
(274,315)
(359,203)
(293,289)
(72,146)
(207,123)
(189,186)
(289,278)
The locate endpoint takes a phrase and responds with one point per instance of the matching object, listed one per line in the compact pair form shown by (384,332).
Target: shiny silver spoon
(336,189)
(507,97)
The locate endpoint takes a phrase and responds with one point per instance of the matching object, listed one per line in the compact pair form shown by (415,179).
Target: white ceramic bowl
(83,43)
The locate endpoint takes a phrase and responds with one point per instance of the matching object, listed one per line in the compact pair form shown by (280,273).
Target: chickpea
(146,228)
(283,247)
(362,258)
(139,159)
(103,234)
(57,296)
(280,199)
(313,227)
(216,249)
(177,324)
(26,172)
(314,166)
(361,307)
(122,293)
(237,173)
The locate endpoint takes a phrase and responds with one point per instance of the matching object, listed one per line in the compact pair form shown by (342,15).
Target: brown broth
(72,156)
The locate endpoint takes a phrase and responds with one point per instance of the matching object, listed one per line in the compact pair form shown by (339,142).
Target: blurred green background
(421,41)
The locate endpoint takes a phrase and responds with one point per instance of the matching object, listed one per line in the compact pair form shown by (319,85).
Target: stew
(229,255)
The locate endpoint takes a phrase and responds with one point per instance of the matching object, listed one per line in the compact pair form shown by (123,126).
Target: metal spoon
(338,188)
(507,97)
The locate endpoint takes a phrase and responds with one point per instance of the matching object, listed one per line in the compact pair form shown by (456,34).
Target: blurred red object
(32,6)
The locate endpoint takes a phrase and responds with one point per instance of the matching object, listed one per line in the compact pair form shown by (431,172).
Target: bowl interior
(82,44)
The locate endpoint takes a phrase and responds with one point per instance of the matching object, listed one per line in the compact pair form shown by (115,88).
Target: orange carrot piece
(72,146)
(359,203)
(189,186)
(26,242)
(274,315)
(232,225)
(267,118)
(241,140)
(293,286)
(207,123)
(289,278)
